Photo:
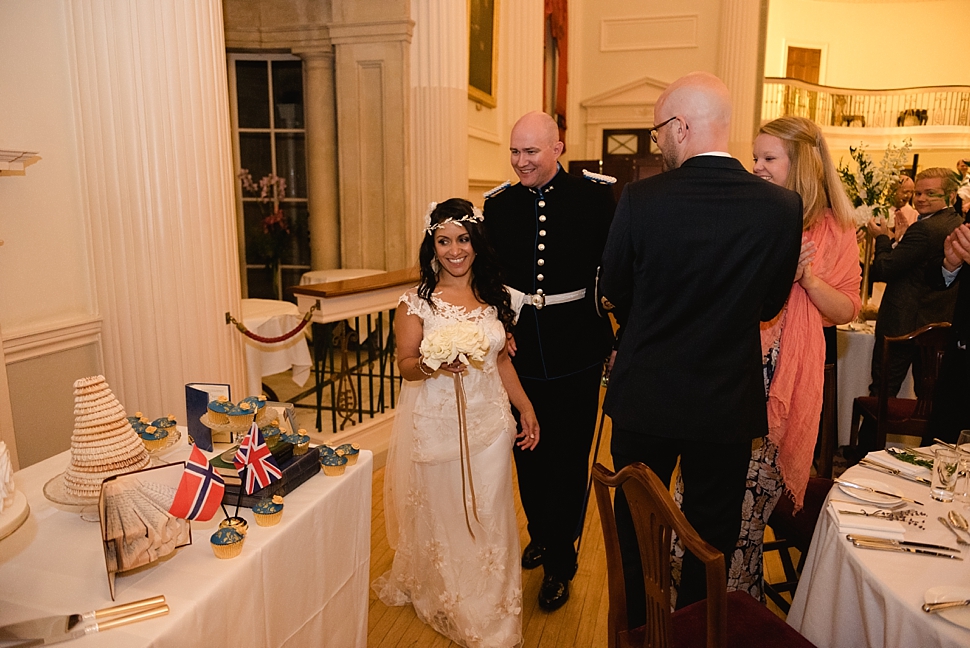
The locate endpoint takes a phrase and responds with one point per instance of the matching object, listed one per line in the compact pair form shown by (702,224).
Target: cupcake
(334,464)
(227,543)
(138,423)
(271,432)
(241,414)
(351,451)
(166,423)
(134,419)
(268,511)
(325,450)
(256,402)
(219,410)
(153,438)
(300,440)
(237,523)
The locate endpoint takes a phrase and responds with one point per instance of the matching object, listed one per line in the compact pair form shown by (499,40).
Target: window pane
(260,282)
(288,93)
(257,250)
(291,163)
(252,94)
(291,277)
(254,154)
(297,249)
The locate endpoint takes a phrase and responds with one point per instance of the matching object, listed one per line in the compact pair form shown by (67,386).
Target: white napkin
(887,459)
(864,525)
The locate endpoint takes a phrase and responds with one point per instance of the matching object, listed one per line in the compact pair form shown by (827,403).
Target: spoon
(959,521)
(953,530)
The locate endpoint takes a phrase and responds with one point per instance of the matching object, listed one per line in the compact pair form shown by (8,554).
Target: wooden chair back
(655,517)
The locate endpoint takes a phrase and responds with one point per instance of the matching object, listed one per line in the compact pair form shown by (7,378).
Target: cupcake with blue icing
(219,410)
(334,464)
(166,423)
(271,432)
(256,402)
(227,543)
(241,414)
(269,511)
(153,437)
(300,440)
(134,419)
(351,451)
(325,450)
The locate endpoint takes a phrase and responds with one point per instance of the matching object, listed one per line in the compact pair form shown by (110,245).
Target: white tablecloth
(855,372)
(270,318)
(852,598)
(303,582)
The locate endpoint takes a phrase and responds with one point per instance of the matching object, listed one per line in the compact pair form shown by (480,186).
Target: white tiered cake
(13,504)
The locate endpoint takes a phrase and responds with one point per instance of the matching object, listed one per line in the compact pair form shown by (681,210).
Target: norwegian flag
(256,460)
(200,490)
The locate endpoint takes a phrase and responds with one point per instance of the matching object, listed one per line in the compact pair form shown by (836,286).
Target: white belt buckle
(538,301)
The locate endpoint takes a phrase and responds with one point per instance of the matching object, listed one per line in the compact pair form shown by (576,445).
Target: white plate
(959,615)
(874,498)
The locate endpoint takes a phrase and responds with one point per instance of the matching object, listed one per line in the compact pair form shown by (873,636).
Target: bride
(451,519)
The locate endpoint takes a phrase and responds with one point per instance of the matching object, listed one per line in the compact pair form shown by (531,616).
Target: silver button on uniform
(541,262)
(542,218)
(539,291)
(542,203)
(539,277)
(542,232)
(542,246)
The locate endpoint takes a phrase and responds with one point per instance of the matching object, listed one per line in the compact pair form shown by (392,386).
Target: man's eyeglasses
(653,131)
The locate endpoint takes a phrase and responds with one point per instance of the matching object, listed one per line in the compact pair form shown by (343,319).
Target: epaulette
(599,178)
(496,190)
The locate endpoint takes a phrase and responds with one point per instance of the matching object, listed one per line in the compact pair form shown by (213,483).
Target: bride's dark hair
(486,277)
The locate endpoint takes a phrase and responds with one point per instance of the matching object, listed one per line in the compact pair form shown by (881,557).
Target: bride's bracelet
(421,367)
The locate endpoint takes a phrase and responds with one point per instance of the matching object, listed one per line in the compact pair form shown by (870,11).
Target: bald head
(702,104)
(535,149)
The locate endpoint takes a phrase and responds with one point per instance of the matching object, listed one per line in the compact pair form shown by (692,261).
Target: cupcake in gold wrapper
(271,432)
(300,440)
(241,414)
(219,410)
(227,543)
(334,464)
(268,512)
(153,437)
(351,451)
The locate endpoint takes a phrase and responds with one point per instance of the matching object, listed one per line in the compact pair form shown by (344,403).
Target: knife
(877,491)
(881,546)
(38,632)
(875,465)
(943,605)
(907,543)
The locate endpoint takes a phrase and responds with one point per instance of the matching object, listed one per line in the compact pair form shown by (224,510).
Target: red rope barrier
(265,340)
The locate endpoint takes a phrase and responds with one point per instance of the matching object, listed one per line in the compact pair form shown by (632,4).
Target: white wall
(874,45)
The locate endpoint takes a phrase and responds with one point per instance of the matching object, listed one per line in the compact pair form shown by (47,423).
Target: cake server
(881,546)
(53,629)
(852,537)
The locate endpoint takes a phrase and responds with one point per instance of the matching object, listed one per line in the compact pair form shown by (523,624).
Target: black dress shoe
(554,593)
(532,556)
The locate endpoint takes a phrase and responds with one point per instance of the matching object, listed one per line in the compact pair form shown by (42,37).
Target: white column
(439,100)
(520,76)
(741,67)
(155,164)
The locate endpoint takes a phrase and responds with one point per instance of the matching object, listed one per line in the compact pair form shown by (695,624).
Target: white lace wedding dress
(468,589)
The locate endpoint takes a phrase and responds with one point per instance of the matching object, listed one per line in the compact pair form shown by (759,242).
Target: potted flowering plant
(871,188)
(273,236)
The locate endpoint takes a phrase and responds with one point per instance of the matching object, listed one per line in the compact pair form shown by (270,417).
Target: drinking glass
(963,443)
(961,491)
(944,474)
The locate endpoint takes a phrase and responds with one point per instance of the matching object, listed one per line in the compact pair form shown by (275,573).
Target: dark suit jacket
(570,220)
(699,255)
(910,300)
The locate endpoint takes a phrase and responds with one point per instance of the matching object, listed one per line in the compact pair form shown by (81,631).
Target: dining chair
(794,531)
(908,416)
(704,623)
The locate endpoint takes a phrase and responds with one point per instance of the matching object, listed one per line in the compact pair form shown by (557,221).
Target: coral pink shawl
(795,394)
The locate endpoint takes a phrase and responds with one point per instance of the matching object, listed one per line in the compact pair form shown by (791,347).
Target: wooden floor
(581,623)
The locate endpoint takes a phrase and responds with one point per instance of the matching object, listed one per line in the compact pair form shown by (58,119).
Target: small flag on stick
(200,490)
(255,459)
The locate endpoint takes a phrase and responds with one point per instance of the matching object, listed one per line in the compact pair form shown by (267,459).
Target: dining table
(851,597)
(271,318)
(302,582)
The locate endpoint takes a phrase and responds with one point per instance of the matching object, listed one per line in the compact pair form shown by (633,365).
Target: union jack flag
(255,459)
(200,490)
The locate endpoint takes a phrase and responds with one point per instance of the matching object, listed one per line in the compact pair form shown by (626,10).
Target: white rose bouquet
(464,341)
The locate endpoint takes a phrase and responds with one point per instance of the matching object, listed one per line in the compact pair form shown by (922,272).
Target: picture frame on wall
(483,51)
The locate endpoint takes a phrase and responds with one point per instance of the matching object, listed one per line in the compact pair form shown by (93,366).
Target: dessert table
(851,598)
(270,318)
(303,582)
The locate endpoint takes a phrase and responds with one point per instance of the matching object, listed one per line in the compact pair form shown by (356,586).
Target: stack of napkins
(887,459)
(879,527)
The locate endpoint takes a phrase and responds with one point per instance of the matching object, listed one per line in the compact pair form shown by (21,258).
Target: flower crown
(476,216)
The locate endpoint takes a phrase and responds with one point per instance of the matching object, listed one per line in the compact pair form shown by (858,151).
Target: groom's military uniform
(549,241)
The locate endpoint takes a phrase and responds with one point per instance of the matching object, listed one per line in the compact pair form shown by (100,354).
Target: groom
(696,256)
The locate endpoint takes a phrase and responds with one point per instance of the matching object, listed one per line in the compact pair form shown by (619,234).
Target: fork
(946,523)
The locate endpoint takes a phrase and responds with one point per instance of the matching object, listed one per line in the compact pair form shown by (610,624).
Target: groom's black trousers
(552,478)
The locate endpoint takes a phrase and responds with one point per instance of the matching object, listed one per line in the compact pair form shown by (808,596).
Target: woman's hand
(528,438)
(455,367)
(805,259)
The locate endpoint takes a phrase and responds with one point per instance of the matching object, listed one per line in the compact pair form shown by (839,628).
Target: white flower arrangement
(464,341)
(870,187)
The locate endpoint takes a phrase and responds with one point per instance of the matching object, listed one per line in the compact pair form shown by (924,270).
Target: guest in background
(963,165)
(909,301)
(696,257)
(791,152)
(951,402)
(902,214)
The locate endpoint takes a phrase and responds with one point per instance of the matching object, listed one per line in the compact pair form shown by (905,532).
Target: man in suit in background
(910,301)
(696,258)
(951,402)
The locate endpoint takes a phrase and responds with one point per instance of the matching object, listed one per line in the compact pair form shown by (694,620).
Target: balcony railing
(827,106)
